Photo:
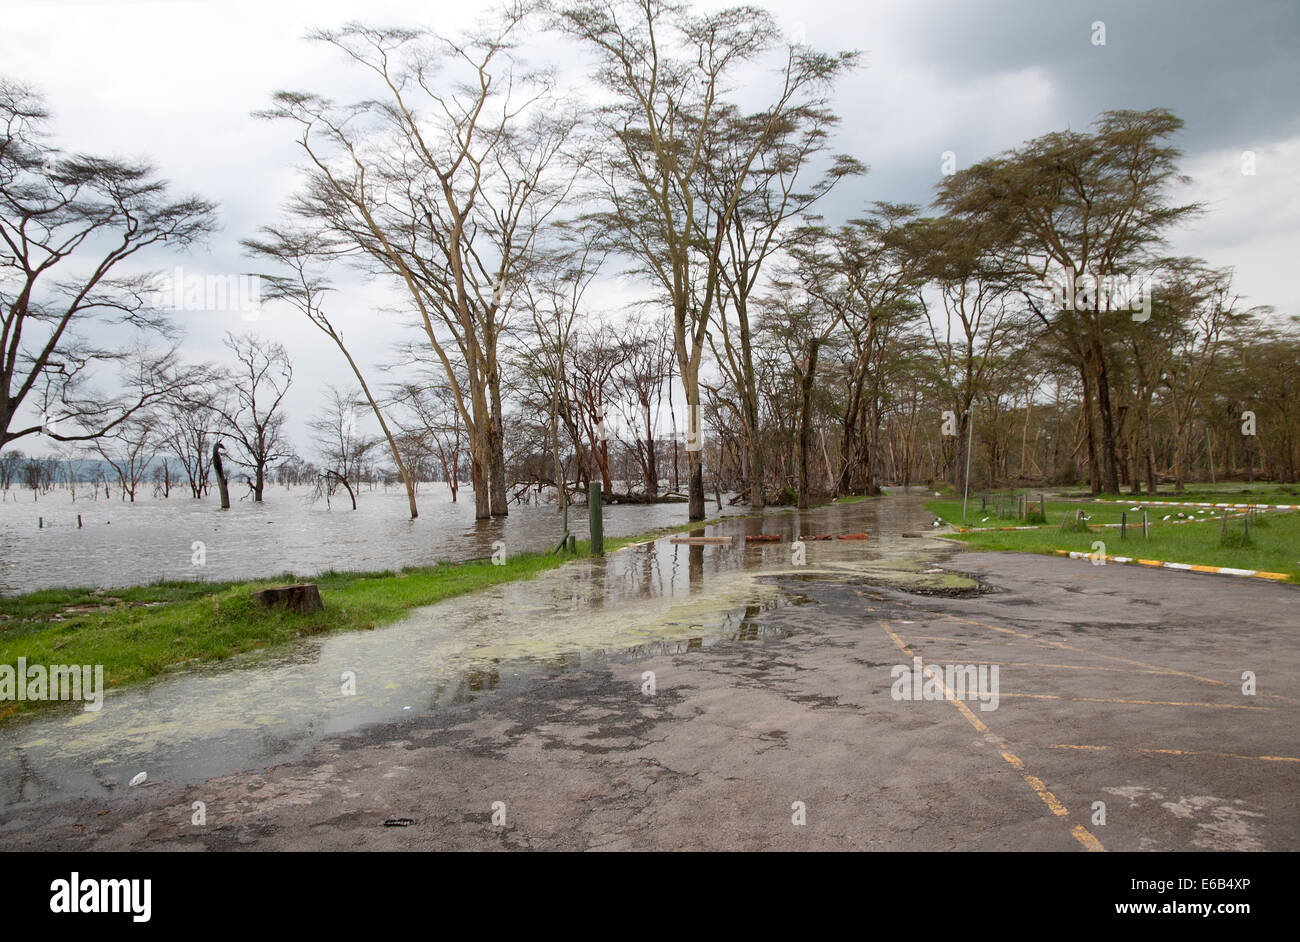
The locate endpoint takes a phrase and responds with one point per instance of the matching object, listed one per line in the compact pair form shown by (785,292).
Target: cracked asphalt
(1121,725)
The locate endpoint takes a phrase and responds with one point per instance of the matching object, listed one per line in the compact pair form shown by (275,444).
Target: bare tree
(129,449)
(11,462)
(252,418)
(640,379)
(343,447)
(189,426)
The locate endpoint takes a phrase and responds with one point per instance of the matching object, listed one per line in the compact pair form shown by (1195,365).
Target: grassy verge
(1275,543)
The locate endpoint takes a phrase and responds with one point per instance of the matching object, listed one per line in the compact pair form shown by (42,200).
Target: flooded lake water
(124,544)
(651,598)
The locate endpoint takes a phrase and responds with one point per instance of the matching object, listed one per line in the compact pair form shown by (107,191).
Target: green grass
(1276,542)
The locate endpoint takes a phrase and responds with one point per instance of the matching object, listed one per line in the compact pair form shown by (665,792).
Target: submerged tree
(253,418)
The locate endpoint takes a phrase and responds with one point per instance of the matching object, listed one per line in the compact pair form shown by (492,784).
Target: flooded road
(646,600)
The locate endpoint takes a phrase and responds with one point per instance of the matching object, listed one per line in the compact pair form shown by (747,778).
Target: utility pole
(970,429)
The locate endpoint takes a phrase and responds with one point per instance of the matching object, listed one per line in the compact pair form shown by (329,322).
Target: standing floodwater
(633,603)
(124,544)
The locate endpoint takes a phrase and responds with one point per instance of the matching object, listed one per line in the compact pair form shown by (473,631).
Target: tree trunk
(805,423)
(496,441)
(694,444)
(1110,460)
(1094,479)
(222,487)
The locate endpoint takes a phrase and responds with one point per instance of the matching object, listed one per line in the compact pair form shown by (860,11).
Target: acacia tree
(863,276)
(760,228)
(1081,209)
(305,289)
(801,324)
(961,259)
(252,417)
(342,446)
(667,70)
(640,381)
(442,182)
(128,449)
(188,426)
(68,222)
(596,352)
(1204,307)
(555,303)
(435,428)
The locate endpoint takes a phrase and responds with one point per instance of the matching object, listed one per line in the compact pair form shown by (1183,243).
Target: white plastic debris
(138,780)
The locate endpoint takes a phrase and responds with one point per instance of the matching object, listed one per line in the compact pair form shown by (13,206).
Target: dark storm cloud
(1230,70)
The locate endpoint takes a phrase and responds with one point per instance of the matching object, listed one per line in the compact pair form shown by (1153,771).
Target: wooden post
(594,520)
(1123,525)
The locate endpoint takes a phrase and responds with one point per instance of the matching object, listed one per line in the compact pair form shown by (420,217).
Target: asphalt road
(1120,724)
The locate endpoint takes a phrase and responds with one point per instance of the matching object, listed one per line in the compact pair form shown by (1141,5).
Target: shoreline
(140,632)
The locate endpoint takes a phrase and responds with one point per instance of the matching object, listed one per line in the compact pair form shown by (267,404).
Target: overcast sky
(175,82)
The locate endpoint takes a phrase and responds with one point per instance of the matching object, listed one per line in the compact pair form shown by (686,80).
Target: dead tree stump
(302,598)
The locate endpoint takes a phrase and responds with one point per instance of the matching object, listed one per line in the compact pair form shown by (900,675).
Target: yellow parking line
(1109,657)
(1078,667)
(1079,832)
(1181,752)
(1183,703)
